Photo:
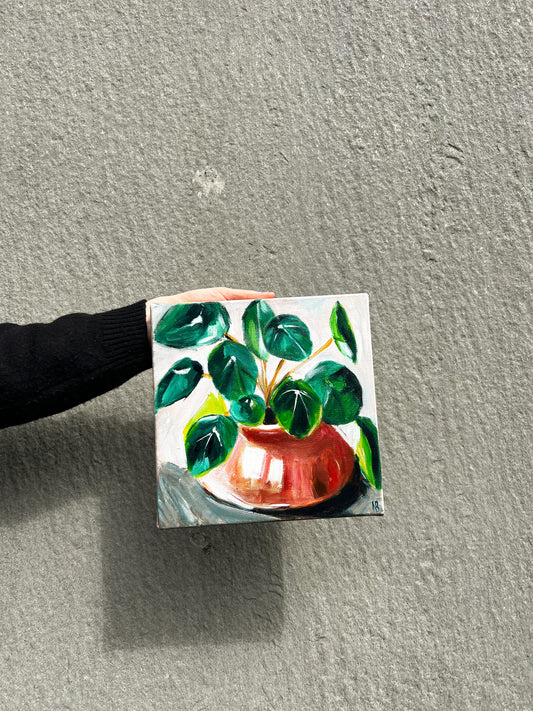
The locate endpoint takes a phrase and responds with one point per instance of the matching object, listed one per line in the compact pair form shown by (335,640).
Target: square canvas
(265,410)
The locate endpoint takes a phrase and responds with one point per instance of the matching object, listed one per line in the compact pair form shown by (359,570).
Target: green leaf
(214,404)
(339,391)
(249,410)
(186,325)
(342,331)
(209,443)
(367,452)
(296,407)
(254,320)
(288,337)
(178,382)
(233,369)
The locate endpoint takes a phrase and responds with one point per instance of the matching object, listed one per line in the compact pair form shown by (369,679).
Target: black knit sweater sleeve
(48,368)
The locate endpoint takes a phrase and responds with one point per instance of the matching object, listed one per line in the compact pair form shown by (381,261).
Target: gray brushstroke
(183,502)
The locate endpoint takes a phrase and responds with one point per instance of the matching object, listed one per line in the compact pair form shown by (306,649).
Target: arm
(48,368)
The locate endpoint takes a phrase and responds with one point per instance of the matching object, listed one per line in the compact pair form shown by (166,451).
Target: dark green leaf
(367,452)
(178,382)
(339,391)
(249,410)
(233,369)
(186,325)
(254,320)
(342,331)
(209,443)
(288,337)
(297,407)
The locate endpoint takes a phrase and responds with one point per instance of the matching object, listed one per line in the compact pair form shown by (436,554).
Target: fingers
(222,293)
(231,294)
(219,293)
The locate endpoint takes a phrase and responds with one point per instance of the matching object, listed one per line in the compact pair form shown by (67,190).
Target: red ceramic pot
(270,469)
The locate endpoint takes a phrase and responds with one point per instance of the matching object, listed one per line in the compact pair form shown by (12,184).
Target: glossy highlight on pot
(270,469)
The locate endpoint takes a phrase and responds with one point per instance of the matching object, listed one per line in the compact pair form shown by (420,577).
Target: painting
(265,410)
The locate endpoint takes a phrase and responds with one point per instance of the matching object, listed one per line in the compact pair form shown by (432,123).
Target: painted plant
(268,440)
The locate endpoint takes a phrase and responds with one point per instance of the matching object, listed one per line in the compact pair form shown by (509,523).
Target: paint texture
(381,146)
(301,456)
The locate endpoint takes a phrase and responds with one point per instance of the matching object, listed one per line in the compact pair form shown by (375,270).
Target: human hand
(216,293)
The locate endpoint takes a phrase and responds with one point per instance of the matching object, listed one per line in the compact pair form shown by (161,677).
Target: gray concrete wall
(354,146)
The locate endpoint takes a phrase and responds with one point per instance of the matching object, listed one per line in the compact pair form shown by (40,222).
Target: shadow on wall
(173,587)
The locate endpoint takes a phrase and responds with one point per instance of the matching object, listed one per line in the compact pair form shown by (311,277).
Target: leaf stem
(263,376)
(327,344)
(270,387)
(231,338)
(261,379)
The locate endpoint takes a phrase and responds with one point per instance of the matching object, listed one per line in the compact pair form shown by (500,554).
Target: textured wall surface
(316,147)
